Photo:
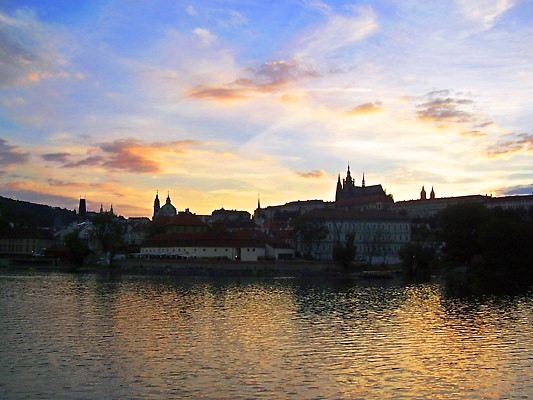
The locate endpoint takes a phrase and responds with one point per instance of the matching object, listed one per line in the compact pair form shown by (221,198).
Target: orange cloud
(473,133)
(268,78)
(366,108)
(125,155)
(311,174)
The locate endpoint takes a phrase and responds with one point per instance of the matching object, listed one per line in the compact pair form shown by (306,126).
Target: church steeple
(168,198)
(157,205)
(363,183)
(423,194)
(338,192)
(349,179)
(432,193)
(258,201)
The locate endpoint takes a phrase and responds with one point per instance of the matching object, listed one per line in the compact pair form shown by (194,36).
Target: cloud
(56,157)
(366,108)
(11,155)
(339,31)
(484,12)
(515,190)
(191,10)
(29,50)
(473,133)
(268,78)
(514,143)
(205,36)
(445,110)
(311,174)
(86,162)
(123,155)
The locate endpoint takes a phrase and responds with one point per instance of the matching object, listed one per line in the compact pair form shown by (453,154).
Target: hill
(31,215)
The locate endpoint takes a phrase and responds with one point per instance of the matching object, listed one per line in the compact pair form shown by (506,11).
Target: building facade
(378,236)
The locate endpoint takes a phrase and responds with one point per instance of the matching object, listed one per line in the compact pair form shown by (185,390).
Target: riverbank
(194,267)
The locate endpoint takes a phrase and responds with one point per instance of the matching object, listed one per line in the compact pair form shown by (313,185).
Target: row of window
(361,248)
(367,237)
(179,251)
(368,226)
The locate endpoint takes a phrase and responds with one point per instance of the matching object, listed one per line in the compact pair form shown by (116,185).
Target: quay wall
(228,268)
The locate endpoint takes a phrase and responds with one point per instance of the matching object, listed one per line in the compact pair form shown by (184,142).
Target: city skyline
(217,102)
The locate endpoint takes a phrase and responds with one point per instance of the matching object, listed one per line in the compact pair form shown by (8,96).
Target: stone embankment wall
(228,268)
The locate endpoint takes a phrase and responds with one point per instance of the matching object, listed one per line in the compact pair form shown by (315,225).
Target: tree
(107,231)
(78,248)
(416,259)
(345,254)
(309,231)
(460,227)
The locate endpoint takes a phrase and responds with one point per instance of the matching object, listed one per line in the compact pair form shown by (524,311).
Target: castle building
(363,197)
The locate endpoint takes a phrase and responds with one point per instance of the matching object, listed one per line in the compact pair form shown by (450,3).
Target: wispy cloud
(11,156)
(207,38)
(474,133)
(29,50)
(127,155)
(311,174)
(268,78)
(56,157)
(366,108)
(485,12)
(513,143)
(445,109)
(515,190)
(337,32)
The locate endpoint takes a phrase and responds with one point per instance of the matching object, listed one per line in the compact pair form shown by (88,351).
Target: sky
(219,102)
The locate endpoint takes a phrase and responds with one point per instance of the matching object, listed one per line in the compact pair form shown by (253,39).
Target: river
(90,336)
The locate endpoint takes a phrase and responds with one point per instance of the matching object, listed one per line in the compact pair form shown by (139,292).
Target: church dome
(168,209)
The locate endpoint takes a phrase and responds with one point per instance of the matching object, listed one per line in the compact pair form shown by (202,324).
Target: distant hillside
(26,214)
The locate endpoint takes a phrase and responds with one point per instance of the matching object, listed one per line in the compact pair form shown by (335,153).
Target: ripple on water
(87,336)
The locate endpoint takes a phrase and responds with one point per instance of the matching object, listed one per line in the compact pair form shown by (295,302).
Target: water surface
(71,336)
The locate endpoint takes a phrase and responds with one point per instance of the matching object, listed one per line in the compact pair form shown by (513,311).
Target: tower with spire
(157,205)
(423,195)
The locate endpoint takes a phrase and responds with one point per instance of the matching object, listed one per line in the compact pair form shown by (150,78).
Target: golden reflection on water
(166,338)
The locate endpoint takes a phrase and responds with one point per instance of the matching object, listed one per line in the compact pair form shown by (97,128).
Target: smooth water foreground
(94,337)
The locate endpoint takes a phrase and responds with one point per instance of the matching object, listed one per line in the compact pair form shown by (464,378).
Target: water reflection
(89,336)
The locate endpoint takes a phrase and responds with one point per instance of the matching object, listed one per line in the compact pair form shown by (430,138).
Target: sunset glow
(217,102)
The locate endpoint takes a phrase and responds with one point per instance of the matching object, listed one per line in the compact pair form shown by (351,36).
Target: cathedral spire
(432,193)
(363,183)
(258,201)
(338,192)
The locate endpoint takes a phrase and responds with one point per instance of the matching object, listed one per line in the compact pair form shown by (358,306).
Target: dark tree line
(496,243)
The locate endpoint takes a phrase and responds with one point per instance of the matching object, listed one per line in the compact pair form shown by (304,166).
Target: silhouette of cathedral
(167,210)
(349,195)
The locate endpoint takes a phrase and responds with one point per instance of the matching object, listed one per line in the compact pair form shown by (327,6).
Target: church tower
(338,192)
(82,209)
(432,194)
(423,195)
(157,205)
